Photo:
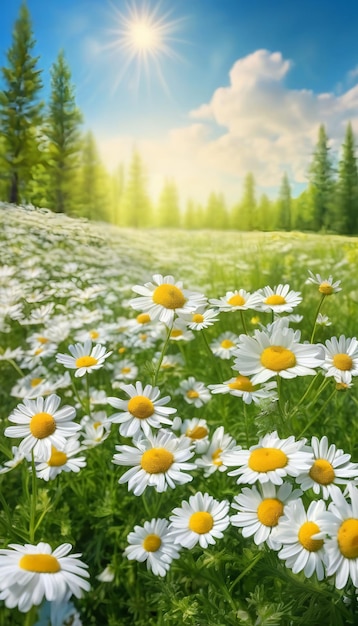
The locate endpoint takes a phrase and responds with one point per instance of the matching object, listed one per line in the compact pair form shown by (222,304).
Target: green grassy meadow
(62,277)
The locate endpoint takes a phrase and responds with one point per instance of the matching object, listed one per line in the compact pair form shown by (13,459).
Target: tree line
(46,159)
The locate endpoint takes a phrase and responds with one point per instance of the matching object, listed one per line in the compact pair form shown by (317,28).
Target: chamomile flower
(125,369)
(260,510)
(158,461)
(326,286)
(201,520)
(330,468)
(42,424)
(65,460)
(17,458)
(224,345)
(30,573)
(302,535)
(280,299)
(201,318)
(164,298)
(242,387)
(144,410)
(341,358)
(180,331)
(276,351)
(212,459)
(196,429)
(269,461)
(84,358)
(153,544)
(194,392)
(95,429)
(238,300)
(342,546)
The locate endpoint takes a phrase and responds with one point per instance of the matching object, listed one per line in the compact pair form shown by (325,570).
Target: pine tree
(347,186)
(63,133)
(135,209)
(284,204)
(244,214)
(168,208)
(264,217)
(216,213)
(20,109)
(322,183)
(94,184)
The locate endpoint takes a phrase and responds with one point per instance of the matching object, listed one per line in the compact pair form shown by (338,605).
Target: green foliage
(168,214)
(135,208)
(284,205)
(347,186)
(322,183)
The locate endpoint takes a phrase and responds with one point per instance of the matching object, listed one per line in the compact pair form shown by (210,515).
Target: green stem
(162,354)
(77,395)
(243,321)
(212,356)
(315,319)
(279,396)
(30,616)
(246,427)
(33,500)
(88,395)
(317,414)
(307,392)
(16,367)
(242,574)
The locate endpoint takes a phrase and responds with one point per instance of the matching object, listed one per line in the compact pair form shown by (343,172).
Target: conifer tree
(63,133)
(94,187)
(264,217)
(20,109)
(322,183)
(347,186)
(168,209)
(216,213)
(244,214)
(135,207)
(284,205)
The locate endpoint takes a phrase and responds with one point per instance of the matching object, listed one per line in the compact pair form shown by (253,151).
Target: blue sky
(229,86)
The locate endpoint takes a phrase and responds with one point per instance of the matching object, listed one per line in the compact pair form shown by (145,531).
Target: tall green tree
(347,186)
(244,214)
(20,109)
(94,193)
(216,212)
(321,181)
(62,130)
(285,204)
(264,213)
(135,209)
(168,207)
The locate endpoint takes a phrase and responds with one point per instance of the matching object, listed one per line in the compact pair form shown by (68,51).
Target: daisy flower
(201,520)
(242,387)
(64,460)
(143,410)
(212,459)
(158,461)
(238,300)
(330,467)
(43,425)
(125,369)
(194,392)
(326,286)
(302,536)
(279,299)
(164,298)
(84,358)
(201,318)
(342,547)
(224,345)
(269,461)
(341,358)
(28,574)
(195,429)
(276,351)
(153,544)
(180,331)
(95,429)
(17,458)
(260,510)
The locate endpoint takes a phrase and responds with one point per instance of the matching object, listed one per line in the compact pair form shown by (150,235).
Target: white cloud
(256,124)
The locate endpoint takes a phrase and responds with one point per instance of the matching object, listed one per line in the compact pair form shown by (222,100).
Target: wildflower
(342,547)
(143,410)
(269,461)
(279,299)
(180,331)
(165,298)
(330,468)
(238,300)
(194,392)
(84,358)
(17,458)
(224,345)
(326,286)
(28,574)
(125,369)
(152,543)
(260,510)
(95,429)
(242,387)
(43,425)
(302,535)
(195,429)
(157,461)
(212,459)
(341,358)
(65,460)
(276,352)
(201,318)
(201,520)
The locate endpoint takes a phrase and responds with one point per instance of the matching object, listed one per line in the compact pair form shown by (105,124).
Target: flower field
(178,425)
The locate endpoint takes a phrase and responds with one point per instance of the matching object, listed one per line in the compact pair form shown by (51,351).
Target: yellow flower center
(57,458)
(322,472)
(141,407)
(227,343)
(86,361)
(236,300)
(342,386)
(152,543)
(192,394)
(176,332)
(40,563)
(125,370)
(326,288)
(198,432)
(348,538)
(275,299)
(42,339)
(122,350)
(342,361)
(269,510)
(38,351)
(156,460)
(277,358)
(216,457)
(267,459)
(143,318)
(242,383)
(197,318)
(94,334)
(143,336)
(169,296)
(36,381)
(305,537)
(255,320)
(201,522)
(42,425)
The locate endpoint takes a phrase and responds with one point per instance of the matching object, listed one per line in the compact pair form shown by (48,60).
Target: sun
(142,39)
